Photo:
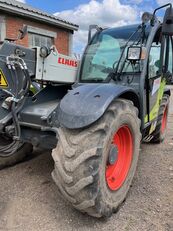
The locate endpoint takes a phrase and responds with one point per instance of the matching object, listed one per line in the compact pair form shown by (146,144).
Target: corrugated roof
(19,8)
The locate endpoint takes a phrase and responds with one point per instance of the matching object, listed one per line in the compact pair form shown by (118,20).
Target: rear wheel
(8,153)
(94,167)
(161,127)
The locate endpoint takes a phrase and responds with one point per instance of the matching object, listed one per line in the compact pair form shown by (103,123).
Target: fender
(85,104)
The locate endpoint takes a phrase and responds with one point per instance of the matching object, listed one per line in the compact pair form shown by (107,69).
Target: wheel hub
(119,159)
(113,154)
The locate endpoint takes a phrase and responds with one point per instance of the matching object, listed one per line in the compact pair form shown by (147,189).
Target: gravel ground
(29,200)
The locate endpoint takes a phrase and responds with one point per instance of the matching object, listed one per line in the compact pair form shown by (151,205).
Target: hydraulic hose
(19,97)
(25,88)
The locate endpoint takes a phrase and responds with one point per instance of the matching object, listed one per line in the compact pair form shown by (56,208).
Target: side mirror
(23,32)
(167,28)
(91,28)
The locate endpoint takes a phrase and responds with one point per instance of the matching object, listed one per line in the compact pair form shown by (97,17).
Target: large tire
(161,127)
(81,160)
(19,155)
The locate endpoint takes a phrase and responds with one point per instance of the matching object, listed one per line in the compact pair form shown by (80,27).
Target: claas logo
(67,62)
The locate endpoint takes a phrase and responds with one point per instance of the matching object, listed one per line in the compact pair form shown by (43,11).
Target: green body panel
(155,109)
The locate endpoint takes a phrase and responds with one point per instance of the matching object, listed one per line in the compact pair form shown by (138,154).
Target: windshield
(102,55)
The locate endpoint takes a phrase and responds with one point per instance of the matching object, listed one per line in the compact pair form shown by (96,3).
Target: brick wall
(13,24)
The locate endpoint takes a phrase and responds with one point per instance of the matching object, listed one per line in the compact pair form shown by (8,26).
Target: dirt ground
(29,200)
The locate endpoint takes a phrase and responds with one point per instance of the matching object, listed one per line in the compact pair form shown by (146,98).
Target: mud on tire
(81,157)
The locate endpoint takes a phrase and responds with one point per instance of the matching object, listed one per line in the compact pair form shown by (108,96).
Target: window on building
(40,40)
(2,28)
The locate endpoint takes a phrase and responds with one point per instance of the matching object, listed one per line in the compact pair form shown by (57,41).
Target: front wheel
(8,153)
(94,167)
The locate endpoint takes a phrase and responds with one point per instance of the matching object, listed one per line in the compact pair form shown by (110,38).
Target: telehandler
(94,116)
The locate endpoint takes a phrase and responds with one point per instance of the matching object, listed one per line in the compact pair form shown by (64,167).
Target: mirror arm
(154,13)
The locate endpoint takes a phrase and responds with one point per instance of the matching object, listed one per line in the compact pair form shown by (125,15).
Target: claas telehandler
(93,114)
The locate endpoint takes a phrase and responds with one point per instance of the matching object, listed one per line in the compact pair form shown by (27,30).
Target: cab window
(170,62)
(154,60)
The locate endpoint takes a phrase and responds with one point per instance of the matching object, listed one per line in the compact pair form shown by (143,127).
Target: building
(43,28)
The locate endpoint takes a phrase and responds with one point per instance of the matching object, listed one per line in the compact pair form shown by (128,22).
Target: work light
(134,53)
(44,51)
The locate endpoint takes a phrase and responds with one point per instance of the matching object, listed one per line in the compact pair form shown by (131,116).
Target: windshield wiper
(116,73)
(118,64)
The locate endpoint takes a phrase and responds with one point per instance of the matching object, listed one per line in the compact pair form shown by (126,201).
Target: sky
(105,13)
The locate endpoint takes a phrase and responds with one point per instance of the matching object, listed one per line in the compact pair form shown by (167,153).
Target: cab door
(154,80)
(170,61)
(160,72)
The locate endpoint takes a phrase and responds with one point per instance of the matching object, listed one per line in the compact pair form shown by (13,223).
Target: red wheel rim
(117,172)
(164,120)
